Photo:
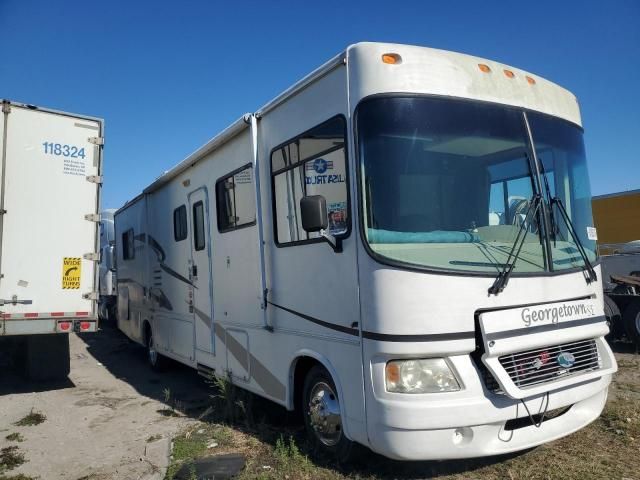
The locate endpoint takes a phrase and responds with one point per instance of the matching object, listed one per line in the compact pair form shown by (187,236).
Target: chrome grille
(540,365)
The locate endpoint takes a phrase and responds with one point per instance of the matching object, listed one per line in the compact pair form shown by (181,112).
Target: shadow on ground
(12,376)
(178,386)
(619,346)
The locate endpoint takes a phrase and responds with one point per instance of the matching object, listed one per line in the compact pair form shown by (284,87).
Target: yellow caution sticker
(71,272)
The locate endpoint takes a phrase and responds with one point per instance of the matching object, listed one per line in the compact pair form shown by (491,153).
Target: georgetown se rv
(370,247)
(50,186)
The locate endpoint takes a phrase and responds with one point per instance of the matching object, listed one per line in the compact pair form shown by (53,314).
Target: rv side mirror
(314,213)
(313,209)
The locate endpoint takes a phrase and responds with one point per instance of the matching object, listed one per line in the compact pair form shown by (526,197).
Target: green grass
(32,419)
(194,444)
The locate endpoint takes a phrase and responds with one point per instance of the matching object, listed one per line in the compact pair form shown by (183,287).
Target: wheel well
(302,368)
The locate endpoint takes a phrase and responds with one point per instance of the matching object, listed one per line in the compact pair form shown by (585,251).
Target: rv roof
(424,70)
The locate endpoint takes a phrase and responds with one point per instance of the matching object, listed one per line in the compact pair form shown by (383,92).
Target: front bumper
(473,422)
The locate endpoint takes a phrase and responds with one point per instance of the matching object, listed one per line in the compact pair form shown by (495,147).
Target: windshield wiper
(552,220)
(591,273)
(503,277)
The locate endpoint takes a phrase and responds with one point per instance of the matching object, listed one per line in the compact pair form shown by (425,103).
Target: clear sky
(169,75)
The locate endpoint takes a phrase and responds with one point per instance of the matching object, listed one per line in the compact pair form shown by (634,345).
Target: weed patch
(197,442)
(15,437)
(32,419)
(10,458)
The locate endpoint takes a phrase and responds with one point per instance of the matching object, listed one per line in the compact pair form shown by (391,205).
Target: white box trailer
(400,245)
(49,199)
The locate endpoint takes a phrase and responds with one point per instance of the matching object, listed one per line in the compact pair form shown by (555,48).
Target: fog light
(429,375)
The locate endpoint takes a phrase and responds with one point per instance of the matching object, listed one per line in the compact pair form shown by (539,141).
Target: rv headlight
(428,375)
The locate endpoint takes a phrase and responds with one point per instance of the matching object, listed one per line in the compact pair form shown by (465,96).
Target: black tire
(332,441)
(613,316)
(631,318)
(157,362)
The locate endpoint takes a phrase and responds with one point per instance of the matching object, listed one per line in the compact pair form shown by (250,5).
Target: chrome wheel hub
(638,323)
(324,414)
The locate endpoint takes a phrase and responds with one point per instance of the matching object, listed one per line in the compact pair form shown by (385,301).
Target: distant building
(617,218)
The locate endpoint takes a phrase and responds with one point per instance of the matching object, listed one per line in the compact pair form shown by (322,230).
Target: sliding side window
(236,200)
(314,163)
(180,223)
(198,226)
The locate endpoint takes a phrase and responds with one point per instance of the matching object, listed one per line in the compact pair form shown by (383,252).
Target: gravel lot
(108,421)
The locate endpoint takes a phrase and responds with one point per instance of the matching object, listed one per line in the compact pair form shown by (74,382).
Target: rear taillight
(64,326)
(85,325)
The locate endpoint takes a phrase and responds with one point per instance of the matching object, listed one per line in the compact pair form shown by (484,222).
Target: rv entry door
(200,270)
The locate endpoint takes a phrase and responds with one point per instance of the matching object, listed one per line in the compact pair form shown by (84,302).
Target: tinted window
(312,164)
(235,198)
(180,223)
(198,226)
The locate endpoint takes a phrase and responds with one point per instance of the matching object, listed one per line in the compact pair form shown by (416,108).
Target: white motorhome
(107,268)
(385,246)
(50,185)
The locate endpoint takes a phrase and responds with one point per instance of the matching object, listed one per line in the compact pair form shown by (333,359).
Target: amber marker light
(509,73)
(392,373)
(391,58)
(484,68)
(530,80)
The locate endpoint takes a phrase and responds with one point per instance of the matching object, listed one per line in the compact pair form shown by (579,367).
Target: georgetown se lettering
(554,314)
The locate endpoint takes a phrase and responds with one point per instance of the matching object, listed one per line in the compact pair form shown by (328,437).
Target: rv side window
(235,199)
(198,226)
(314,163)
(180,223)
(128,250)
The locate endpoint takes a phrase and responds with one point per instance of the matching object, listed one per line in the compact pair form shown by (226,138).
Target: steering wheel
(519,214)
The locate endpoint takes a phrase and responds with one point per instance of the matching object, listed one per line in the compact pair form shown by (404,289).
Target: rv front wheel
(322,417)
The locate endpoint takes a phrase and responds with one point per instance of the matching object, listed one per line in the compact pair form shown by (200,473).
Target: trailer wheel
(631,317)
(613,316)
(322,416)
(156,360)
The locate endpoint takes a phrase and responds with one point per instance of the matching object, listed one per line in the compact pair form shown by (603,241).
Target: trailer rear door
(46,195)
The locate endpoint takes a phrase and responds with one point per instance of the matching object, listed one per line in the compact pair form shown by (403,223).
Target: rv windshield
(447,184)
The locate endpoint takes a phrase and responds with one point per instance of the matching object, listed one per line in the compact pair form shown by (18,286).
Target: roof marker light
(391,58)
(509,73)
(531,80)
(484,68)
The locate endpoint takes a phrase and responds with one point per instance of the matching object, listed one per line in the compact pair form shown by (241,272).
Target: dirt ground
(110,420)
(115,419)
